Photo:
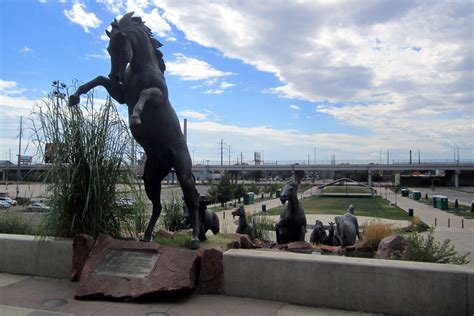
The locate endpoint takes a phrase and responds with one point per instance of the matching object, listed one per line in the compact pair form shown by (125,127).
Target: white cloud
(78,15)
(402,65)
(214,91)
(25,50)
(10,87)
(151,16)
(114,6)
(194,114)
(294,107)
(187,68)
(226,85)
(103,55)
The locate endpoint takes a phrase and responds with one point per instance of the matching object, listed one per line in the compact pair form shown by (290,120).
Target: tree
(224,189)
(239,191)
(213,193)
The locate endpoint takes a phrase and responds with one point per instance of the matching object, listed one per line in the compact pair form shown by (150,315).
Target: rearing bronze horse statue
(137,79)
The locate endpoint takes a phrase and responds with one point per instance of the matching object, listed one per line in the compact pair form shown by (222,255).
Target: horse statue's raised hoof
(195,244)
(135,120)
(74,100)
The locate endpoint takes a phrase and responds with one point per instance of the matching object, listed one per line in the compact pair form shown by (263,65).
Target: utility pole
(419,157)
(19,158)
(308,159)
(185,127)
(229,155)
(241,158)
(133,152)
(222,152)
(314,155)
(458,153)
(388,156)
(410,156)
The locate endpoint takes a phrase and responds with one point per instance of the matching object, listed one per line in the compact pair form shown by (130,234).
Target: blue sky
(349,78)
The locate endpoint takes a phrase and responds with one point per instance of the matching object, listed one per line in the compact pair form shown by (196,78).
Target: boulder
(81,247)
(336,250)
(247,243)
(124,269)
(210,276)
(234,244)
(300,247)
(390,246)
(360,249)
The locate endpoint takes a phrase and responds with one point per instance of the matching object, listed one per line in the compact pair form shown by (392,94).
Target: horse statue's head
(289,190)
(125,33)
(239,211)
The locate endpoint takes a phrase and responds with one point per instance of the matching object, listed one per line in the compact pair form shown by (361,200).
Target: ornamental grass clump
(262,227)
(88,147)
(375,231)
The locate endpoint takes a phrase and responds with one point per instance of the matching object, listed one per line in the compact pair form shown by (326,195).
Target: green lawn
(346,189)
(183,240)
(364,206)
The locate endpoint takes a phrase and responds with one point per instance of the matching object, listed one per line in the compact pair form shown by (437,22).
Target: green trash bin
(416,195)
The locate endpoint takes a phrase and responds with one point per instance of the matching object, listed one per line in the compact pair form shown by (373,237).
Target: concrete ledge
(23,254)
(369,285)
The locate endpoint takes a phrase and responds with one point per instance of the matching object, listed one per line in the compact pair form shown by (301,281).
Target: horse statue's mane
(129,21)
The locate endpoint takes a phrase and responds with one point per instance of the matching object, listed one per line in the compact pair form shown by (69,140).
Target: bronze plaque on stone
(127,263)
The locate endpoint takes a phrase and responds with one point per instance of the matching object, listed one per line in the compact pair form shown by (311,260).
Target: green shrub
(262,227)
(172,213)
(418,248)
(13,224)
(89,154)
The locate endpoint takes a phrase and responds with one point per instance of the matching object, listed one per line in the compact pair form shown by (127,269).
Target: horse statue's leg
(145,95)
(153,174)
(113,89)
(183,167)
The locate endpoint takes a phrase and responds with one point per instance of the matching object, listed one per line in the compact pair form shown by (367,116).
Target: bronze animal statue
(331,240)
(292,223)
(208,217)
(319,234)
(347,229)
(137,79)
(244,227)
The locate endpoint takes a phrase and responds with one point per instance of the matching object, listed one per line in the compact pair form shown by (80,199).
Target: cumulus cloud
(25,50)
(188,68)
(151,16)
(385,67)
(78,15)
(294,107)
(10,87)
(194,114)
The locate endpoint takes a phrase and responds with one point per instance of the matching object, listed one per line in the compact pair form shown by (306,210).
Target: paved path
(427,213)
(464,197)
(461,238)
(25,295)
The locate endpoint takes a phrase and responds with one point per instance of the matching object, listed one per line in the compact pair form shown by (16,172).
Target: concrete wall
(24,255)
(370,285)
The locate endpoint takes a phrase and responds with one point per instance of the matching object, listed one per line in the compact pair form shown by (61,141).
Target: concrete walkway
(34,296)
(461,238)
(464,197)
(429,214)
